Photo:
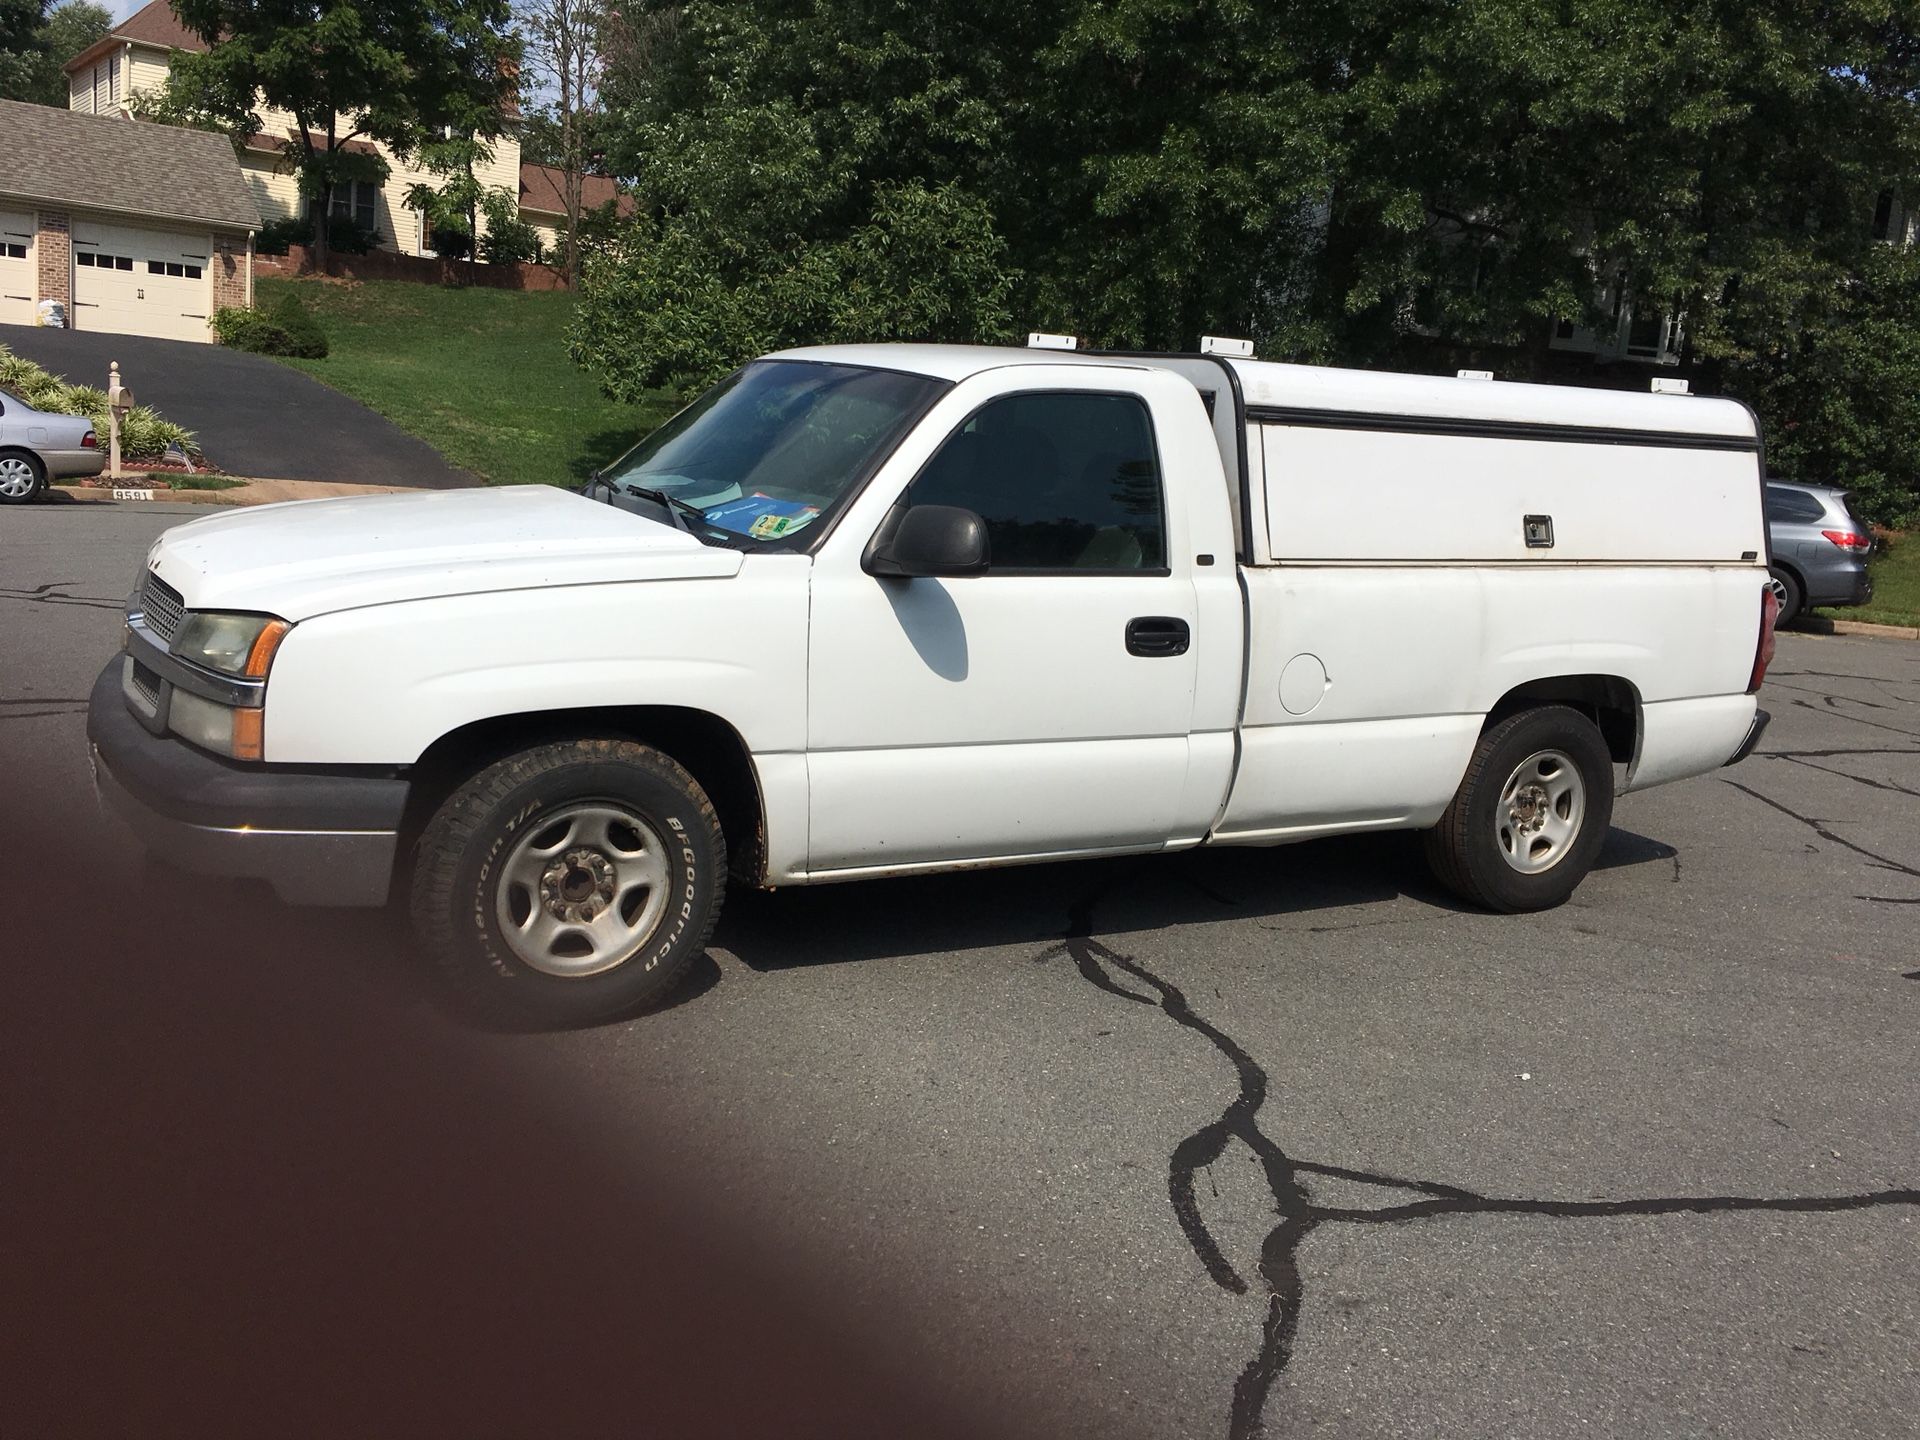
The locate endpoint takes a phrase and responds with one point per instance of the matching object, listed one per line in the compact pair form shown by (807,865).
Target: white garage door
(16,268)
(142,282)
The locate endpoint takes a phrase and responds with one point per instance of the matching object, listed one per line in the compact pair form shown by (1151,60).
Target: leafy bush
(507,239)
(451,242)
(343,236)
(346,238)
(308,340)
(1840,393)
(285,330)
(277,235)
(144,435)
(673,303)
(239,328)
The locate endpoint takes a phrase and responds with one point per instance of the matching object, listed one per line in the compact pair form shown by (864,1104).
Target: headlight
(219,728)
(231,644)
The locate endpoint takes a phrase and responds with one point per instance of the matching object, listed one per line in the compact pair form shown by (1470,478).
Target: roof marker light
(1224,345)
(1040,340)
(1666,385)
(1473,374)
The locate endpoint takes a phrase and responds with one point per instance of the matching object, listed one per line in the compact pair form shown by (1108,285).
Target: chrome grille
(163,607)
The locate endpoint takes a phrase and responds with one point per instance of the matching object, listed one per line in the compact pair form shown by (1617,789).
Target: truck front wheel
(1531,815)
(570,883)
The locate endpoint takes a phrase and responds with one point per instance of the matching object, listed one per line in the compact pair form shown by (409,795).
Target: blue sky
(123,8)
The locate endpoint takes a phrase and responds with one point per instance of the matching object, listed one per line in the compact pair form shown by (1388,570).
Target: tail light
(89,441)
(1847,540)
(1763,650)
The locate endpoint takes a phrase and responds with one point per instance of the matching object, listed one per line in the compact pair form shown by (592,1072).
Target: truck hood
(309,557)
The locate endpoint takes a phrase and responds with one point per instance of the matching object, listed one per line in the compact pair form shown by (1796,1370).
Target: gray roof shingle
(102,162)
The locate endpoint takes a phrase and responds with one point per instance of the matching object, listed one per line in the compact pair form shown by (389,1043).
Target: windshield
(774,446)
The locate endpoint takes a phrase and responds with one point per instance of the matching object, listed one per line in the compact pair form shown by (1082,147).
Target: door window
(1063,481)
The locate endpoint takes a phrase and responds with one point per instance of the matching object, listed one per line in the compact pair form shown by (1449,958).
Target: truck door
(1044,706)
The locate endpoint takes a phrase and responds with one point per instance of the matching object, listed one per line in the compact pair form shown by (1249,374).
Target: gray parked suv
(1820,548)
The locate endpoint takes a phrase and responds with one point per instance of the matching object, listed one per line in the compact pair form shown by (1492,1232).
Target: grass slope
(481,375)
(1896,585)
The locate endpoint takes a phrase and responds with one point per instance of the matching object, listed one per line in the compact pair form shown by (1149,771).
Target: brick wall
(230,287)
(53,247)
(386,265)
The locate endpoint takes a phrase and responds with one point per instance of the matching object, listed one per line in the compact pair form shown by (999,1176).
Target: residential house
(103,79)
(133,229)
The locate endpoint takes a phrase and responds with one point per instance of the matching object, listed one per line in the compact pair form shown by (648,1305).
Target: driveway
(1214,1145)
(253,415)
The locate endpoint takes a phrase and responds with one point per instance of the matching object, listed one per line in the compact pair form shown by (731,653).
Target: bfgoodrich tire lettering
(573,882)
(1471,849)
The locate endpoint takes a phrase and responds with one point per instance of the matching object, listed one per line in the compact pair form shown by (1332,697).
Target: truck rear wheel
(571,883)
(1531,815)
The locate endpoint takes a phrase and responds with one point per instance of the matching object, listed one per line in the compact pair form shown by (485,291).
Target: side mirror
(933,540)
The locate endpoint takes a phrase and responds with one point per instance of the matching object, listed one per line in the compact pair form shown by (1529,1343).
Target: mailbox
(119,402)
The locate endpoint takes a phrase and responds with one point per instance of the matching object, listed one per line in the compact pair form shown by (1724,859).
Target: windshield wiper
(672,504)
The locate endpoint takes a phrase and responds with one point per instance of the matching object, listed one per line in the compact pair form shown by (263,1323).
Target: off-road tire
(1793,596)
(453,895)
(1463,849)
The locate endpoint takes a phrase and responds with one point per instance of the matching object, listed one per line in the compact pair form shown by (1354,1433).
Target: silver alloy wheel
(583,890)
(1779,588)
(1540,811)
(16,477)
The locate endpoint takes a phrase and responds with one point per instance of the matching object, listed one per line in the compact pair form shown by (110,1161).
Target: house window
(95,260)
(12,251)
(174,268)
(358,201)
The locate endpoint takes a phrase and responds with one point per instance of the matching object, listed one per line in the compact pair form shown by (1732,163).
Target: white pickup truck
(865,611)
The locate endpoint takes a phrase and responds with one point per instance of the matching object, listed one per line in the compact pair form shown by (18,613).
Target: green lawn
(1896,585)
(481,375)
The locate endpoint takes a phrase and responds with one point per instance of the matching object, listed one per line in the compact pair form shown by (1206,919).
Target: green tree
(20,52)
(35,45)
(401,72)
(1402,182)
(452,207)
(564,44)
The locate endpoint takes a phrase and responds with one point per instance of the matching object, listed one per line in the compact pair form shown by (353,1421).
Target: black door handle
(1157,635)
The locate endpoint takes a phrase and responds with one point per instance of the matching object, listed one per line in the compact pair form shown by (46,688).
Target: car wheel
(1787,595)
(1531,815)
(570,883)
(22,477)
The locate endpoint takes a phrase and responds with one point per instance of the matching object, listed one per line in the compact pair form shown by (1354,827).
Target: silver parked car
(36,447)
(1819,546)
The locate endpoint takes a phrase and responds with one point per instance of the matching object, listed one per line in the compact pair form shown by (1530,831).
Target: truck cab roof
(1279,388)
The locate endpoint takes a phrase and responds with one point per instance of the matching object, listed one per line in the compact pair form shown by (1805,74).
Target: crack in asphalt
(47,594)
(1298,1215)
(1828,709)
(1819,827)
(8,712)
(1830,754)
(1871,784)
(1832,700)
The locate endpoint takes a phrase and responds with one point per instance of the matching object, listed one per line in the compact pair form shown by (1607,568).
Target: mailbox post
(119,401)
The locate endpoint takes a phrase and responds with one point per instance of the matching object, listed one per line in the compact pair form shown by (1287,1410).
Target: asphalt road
(254,416)
(1259,1142)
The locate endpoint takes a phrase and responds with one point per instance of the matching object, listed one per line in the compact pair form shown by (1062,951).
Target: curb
(1822,625)
(250,491)
(1885,632)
